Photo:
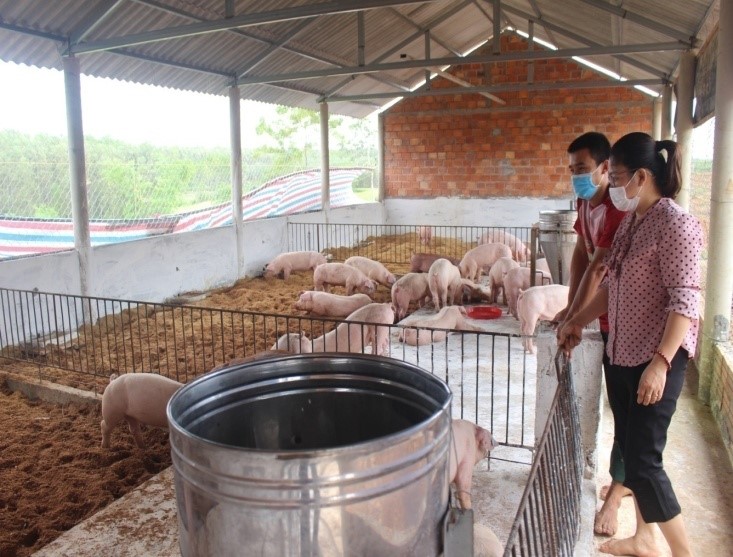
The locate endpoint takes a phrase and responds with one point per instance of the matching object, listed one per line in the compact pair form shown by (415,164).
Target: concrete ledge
(48,391)
(143,522)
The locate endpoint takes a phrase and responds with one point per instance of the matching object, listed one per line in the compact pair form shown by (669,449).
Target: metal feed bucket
(558,239)
(313,454)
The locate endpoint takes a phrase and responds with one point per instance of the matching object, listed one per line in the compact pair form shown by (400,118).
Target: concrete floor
(701,474)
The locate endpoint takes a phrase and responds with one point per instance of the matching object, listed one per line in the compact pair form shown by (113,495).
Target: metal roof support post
(719,287)
(325,171)
(77,170)
(657,119)
(380,156)
(667,111)
(683,124)
(235,140)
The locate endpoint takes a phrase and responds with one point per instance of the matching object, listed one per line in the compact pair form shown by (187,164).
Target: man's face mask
(583,185)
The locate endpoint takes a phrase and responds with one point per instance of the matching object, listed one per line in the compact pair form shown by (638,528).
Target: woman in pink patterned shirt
(652,297)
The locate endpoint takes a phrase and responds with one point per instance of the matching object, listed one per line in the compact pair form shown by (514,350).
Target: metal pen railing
(370,240)
(547,523)
(81,340)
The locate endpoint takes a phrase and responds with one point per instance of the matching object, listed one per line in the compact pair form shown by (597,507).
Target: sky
(32,101)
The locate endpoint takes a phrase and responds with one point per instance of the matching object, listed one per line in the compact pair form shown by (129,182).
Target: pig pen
(79,341)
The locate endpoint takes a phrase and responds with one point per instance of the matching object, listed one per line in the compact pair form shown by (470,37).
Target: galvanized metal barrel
(558,239)
(313,454)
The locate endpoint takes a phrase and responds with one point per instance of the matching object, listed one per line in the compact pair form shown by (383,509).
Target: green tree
(295,129)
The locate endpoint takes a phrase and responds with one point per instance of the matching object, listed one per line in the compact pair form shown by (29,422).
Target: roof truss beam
(559,29)
(643,21)
(433,36)
(438,19)
(499,89)
(100,12)
(479,59)
(246,20)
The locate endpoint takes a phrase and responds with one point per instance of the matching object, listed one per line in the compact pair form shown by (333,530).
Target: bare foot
(631,546)
(606,488)
(606,521)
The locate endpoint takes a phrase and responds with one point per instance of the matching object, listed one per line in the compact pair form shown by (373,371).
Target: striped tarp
(286,195)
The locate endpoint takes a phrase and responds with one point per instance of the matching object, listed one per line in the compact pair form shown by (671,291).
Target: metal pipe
(325,173)
(77,170)
(657,119)
(667,111)
(719,287)
(245,20)
(380,157)
(683,125)
(473,59)
(496,23)
(235,142)
(545,86)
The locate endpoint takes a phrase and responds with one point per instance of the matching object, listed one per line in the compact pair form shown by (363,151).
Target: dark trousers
(641,434)
(616,464)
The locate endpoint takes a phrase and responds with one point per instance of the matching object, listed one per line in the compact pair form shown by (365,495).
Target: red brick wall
(468,146)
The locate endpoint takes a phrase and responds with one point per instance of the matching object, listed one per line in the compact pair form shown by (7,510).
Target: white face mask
(619,199)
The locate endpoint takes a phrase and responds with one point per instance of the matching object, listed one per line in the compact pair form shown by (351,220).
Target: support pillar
(77,171)
(683,125)
(235,144)
(667,112)
(719,286)
(657,119)
(380,157)
(325,168)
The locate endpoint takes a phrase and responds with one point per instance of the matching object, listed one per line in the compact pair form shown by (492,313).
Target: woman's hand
(569,335)
(651,383)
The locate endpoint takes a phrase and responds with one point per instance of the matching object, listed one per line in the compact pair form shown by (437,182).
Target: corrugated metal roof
(296,39)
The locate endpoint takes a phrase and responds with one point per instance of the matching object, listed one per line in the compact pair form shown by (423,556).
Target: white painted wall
(57,272)
(450,211)
(160,267)
(586,362)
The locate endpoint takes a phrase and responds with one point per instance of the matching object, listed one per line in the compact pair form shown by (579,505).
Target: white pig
(329,274)
(295,343)
(496,276)
(138,398)
(373,269)
(288,262)
(377,337)
(412,287)
(480,259)
(450,317)
(354,337)
(420,262)
(474,292)
(539,302)
(444,280)
(541,265)
(485,542)
(425,233)
(331,305)
(519,249)
(519,279)
(470,444)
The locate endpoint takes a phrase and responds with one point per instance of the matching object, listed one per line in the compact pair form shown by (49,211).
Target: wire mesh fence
(138,199)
